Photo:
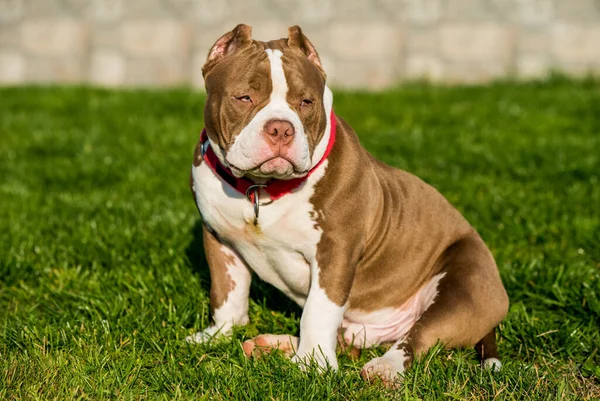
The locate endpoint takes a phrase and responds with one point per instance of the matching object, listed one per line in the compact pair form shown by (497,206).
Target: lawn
(102,273)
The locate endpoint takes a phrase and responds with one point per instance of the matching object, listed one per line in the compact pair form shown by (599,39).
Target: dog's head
(267,108)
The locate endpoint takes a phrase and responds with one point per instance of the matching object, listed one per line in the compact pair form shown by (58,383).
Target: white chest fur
(281,246)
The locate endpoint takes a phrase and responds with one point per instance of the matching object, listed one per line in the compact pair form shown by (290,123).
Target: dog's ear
(227,44)
(297,40)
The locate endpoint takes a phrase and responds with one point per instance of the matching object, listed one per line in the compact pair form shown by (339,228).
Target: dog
(372,254)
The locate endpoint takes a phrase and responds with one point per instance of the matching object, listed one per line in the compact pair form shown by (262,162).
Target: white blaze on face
(250,150)
(322,145)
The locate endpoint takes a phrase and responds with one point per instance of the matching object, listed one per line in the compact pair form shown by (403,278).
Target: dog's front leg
(323,313)
(229,289)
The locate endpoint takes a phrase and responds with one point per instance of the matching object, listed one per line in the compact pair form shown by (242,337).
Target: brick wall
(362,43)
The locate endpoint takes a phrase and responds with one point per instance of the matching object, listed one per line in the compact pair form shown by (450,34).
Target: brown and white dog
(368,251)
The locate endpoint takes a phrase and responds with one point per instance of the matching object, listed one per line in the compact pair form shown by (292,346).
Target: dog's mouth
(277,167)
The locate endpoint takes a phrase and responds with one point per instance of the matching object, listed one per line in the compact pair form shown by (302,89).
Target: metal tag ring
(256,189)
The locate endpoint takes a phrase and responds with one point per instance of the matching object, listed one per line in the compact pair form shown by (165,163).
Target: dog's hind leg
(471,301)
(488,353)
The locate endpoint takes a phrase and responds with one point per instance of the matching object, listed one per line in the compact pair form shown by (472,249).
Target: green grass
(102,274)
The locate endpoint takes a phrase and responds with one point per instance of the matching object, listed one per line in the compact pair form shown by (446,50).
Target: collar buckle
(204,147)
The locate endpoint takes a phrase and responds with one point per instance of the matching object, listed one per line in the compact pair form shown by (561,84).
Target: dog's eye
(244,98)
(306,102)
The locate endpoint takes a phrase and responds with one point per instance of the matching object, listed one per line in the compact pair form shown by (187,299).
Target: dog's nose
(279,133)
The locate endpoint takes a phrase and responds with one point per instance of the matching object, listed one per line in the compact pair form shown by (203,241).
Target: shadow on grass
(260,292)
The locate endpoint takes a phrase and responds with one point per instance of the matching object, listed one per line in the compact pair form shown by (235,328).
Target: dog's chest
(281,246)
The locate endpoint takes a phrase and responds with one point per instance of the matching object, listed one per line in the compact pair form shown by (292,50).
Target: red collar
(274,188)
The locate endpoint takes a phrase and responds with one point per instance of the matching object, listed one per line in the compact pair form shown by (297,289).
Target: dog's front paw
(265,343)
(209,334)
(306,356)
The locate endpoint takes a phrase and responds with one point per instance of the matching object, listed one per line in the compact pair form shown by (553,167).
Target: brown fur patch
(247,72)
(221,283)
(395,227)
(197,154)
(196,162)
(305,81)
(471,300)
(408,354)
(344,220)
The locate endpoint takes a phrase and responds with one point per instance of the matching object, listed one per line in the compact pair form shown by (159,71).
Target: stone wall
(362,43)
